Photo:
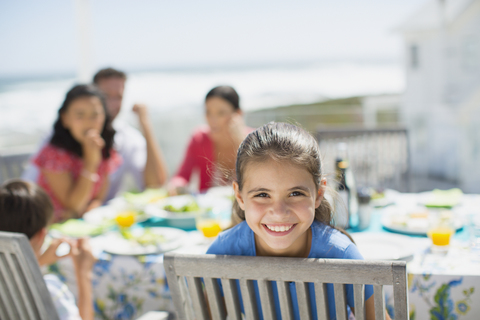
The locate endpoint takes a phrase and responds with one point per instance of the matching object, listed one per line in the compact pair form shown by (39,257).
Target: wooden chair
(204,270)
(23,292)
(378,157)
(12,163)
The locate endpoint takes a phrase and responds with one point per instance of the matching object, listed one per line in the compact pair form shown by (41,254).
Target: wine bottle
(347,206)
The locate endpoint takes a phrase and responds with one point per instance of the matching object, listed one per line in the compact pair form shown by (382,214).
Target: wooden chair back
(378,158)
(187,274)
(12,163)
(23,292)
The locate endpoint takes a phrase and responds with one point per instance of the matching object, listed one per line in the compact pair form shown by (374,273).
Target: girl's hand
(92,150)
(49,256)
(82,256)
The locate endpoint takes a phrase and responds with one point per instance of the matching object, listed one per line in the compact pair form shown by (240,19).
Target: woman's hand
(92,150)
(141,111)
(236,128)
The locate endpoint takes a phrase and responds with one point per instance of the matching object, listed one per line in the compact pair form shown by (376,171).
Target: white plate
(387,246)
(187,219)
(100,214)
(397,219)
(113,242)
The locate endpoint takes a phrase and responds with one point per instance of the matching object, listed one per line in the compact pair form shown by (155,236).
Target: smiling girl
(74,166)
(281,209)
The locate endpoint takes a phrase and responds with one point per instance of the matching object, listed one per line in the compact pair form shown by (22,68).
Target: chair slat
(215,299)
(285,300)
(400,296)
(359,296)
(266,298)
(7,306)
(340,301)
(230,294)
(16,301)
(321,298)
(248,298)
(198,298)
(379,302)
(303,300)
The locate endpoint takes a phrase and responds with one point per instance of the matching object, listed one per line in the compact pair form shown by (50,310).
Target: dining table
(440,285)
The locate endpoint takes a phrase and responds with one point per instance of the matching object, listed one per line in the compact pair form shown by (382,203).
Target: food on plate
(145,238)
(191,206)
(145,197)
(126,219)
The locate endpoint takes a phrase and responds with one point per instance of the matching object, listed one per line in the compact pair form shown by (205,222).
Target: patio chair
(12,163)
(187,274)
(23,292)
(378,158)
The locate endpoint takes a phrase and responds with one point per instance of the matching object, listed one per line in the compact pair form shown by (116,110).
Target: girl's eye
(296,194)
(262,195)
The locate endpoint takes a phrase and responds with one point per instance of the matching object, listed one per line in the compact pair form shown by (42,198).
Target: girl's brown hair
(282,142)
(24,207)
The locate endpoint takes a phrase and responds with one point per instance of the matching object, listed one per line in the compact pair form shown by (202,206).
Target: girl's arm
(100,199)
(370,310)
(73,195)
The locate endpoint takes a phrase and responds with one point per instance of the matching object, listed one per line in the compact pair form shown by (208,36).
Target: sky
(40,37)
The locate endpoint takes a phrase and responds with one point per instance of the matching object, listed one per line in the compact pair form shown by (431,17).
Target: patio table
(440,287)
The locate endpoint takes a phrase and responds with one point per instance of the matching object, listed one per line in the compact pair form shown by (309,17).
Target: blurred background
(365,65)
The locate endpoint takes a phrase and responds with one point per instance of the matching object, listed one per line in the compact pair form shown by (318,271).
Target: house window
(414,56)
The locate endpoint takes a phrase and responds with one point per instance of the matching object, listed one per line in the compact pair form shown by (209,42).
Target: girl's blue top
(327,243)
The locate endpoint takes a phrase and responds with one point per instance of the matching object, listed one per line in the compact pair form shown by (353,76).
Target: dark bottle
(347,206)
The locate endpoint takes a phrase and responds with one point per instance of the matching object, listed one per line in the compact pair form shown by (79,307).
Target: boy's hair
(62,137)
(24,207)
(108,73)
(287,143)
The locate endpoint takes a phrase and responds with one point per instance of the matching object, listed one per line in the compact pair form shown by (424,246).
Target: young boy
(26,208)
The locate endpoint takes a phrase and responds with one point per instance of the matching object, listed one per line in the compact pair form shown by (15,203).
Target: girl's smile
(279,200)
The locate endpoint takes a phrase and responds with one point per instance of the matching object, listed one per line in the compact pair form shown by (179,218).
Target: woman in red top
(212,149)
(74,166)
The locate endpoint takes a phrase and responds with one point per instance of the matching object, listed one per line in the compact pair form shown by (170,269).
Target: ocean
(28,107)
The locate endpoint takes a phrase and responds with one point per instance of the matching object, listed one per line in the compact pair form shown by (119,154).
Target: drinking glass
(208,223)
(440,230)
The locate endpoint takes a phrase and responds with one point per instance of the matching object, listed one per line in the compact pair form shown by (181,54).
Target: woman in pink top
(212,149)
(74,166)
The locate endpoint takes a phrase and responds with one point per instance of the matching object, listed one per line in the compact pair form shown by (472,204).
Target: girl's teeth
(279,228)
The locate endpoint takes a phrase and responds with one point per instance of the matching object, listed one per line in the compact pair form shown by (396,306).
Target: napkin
(79,228)
(444,198)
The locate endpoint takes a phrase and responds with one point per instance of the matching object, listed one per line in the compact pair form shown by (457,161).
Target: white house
(441,104)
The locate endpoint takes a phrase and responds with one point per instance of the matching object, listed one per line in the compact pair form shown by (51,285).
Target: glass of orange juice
(440,230)
(209,224)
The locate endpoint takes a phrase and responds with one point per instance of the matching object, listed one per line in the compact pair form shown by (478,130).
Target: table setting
(130,234)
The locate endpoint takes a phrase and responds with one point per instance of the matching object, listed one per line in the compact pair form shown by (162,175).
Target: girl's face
(279,200)
(219,113)
(82,115)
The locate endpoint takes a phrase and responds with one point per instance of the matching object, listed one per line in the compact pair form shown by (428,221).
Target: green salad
(148,237)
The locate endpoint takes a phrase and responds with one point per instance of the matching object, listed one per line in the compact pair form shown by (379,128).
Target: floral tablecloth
(440,287)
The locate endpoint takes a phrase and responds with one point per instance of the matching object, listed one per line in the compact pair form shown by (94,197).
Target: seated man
(26,208)
(141,155)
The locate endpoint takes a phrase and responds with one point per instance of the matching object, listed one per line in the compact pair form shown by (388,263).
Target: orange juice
(440,235)
(209,227)
(125,219)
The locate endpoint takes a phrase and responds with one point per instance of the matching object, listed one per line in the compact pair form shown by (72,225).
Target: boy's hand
(82,256)
(49,256)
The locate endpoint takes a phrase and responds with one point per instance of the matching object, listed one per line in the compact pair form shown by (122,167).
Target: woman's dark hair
(24,207)
(287,143)
(227,93)
(62,137)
